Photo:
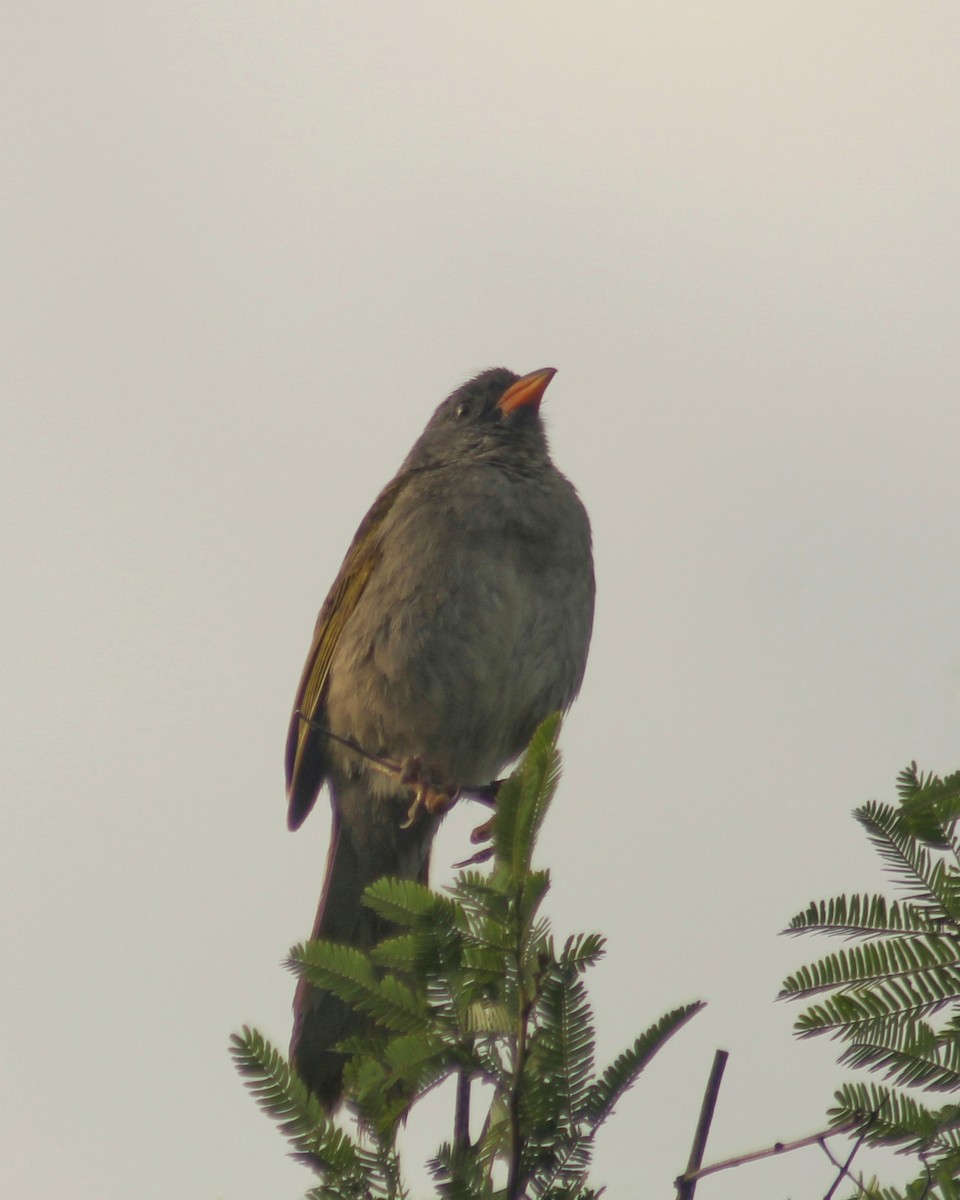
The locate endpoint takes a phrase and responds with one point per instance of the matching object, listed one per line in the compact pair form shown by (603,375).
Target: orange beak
(528,390)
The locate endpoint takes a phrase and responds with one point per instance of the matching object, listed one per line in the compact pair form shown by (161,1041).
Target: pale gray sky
(248,247)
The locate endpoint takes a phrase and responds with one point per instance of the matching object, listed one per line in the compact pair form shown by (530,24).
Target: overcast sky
(248,247)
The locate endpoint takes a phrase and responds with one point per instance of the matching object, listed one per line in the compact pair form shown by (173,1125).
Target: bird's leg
(439,796)
(486,794)
(481,856)
(484,832)
(429,793)
(434,795)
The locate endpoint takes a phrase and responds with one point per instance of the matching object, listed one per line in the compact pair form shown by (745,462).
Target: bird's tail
(320,1019)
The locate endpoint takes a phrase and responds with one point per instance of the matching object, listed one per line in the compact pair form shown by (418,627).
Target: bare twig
(687,1183)
(484,793)
(844,1167)
(461,1119)
(514,1178)
(387,766)
(813,1139)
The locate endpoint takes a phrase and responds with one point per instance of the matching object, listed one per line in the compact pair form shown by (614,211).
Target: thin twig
(385,765)
(840,1166)
(484,793)
(687,1183)
(514,1179)
(461,1119)
(777,1148)
(844,1168)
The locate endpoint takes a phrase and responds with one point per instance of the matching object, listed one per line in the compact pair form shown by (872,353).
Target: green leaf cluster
(470,985)
(893,997)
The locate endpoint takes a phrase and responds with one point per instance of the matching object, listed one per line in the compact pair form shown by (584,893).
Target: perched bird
(460,619)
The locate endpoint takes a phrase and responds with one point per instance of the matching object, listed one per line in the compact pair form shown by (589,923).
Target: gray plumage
(460,619)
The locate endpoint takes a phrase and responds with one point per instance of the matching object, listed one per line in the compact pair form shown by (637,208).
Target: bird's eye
(463,408)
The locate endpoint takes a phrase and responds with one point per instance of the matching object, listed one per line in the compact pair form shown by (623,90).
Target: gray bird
(460,619)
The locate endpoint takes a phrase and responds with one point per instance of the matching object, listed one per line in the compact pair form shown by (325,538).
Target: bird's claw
(429,794)
(481,856)
(484,832)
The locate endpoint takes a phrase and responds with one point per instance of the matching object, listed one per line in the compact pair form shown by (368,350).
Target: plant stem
(514,1181)
(687,1183)
(813,1139)
(461,1120)
(844,1168)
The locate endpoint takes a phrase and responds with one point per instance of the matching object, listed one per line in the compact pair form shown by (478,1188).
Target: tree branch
(461,1120)
(813,1139)
(687,1183)
(843,1167)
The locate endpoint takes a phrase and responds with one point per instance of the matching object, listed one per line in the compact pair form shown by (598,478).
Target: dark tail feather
(321,1020)
(371,843)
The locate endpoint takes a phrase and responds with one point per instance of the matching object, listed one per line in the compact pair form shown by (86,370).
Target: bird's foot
(481,856)
(482,833)
(485,793)
(433,795)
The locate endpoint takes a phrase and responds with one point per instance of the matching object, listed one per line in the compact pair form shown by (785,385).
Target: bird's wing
(306,759)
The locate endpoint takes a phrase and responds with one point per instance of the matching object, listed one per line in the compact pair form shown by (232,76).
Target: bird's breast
(473,627)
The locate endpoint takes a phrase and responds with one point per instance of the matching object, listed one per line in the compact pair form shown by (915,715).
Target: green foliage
(469,985)
(893,998)
(350,1172)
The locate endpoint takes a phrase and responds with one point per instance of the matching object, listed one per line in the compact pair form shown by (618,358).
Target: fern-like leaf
(583,950)
(523,801)
(405,902)
(348,973)
(859,916)
(283,1097)
(912,1054)
(562,1044)
(920,874)
(913,959)
(622,1073)
(885,1116)
(930,806)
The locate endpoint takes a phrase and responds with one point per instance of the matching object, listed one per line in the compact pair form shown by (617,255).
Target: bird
(459,620)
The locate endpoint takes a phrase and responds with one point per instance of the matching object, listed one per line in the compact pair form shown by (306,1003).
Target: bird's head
(492,416)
